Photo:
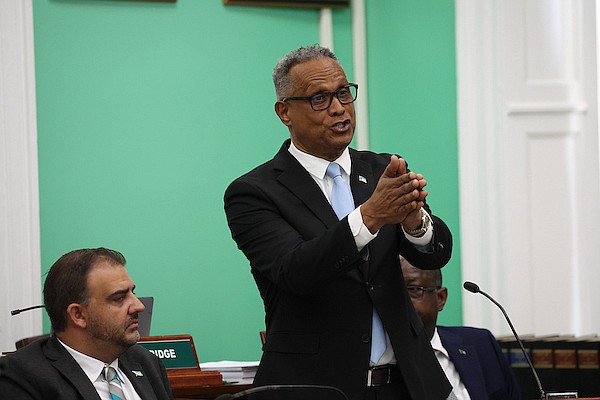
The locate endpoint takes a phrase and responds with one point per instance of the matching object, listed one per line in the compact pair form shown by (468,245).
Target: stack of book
(233,371)
(562,362)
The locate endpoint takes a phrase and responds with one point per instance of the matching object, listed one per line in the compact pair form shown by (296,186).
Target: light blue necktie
(341,196)
(114,383)
(343,204)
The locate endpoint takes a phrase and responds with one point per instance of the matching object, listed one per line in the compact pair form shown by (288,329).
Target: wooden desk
(208,392)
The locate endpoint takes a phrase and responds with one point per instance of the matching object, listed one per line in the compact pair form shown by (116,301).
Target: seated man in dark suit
(470,357)
(91,354)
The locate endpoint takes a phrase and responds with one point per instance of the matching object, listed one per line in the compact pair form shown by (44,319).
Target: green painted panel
(412,107)
(146,111)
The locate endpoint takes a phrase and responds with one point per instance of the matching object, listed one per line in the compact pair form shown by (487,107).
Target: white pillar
(20,280)
(528,160)
(359,47)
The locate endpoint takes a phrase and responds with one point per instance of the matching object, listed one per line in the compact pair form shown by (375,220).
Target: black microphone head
(471,287)
(20,310)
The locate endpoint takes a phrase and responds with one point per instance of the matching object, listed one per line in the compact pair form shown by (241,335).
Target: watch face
(426,221)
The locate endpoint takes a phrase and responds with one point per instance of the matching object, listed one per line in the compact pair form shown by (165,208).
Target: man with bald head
(470,357)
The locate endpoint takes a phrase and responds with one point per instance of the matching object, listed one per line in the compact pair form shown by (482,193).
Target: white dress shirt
(459,389)
(94,368)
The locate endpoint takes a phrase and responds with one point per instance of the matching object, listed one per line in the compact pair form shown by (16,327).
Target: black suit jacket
(480,363)
(45,370)
(318,290)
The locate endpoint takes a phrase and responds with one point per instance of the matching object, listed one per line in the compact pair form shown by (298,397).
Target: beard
(120,335)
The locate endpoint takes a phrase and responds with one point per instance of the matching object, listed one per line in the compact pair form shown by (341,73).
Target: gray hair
(281,72)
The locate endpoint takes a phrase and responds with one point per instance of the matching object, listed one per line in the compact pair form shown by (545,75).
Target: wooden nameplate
(178,354)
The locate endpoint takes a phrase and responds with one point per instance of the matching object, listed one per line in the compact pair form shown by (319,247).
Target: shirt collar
(436,343)
(90,365)
(317,166)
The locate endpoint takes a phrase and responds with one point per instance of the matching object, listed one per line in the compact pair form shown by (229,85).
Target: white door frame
(20,280)
(528,163)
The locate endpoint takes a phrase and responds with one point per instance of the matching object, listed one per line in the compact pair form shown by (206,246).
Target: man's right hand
(398,194)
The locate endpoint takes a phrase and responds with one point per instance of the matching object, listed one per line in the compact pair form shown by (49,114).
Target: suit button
(440,246)
(369,286)
(366,338)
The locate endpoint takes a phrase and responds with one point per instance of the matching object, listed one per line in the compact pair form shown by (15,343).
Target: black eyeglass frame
(422,290)
(331,94)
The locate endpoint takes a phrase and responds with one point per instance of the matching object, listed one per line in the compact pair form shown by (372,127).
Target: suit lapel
(136,375)
(362,182)
(466,362)
(299,182)
(60,359)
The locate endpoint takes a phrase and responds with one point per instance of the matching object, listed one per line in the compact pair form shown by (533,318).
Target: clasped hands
(397,199)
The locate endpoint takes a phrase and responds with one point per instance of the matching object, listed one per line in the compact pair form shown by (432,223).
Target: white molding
(326,28)
(478,153)
(20,280)
(359,47)
(546,108)
(529,163)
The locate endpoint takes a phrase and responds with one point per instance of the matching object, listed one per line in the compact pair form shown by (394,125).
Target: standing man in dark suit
(330,280)
(470,357)
(91,354)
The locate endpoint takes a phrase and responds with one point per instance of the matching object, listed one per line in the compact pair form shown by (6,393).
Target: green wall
(146,111)
(412,107)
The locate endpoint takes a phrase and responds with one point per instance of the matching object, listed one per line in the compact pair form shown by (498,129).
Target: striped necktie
(114,383)
(343,204)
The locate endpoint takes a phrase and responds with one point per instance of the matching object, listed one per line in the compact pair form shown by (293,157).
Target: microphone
(474,288)
(20,310)
(258,389)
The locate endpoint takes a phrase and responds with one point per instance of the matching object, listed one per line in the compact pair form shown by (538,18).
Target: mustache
(132,319)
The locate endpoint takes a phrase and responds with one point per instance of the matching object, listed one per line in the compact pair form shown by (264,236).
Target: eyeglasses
(321,101)
(417,292)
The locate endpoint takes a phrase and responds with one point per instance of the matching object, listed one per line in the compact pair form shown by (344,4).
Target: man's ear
(442,296)
(281,109)
(77,315)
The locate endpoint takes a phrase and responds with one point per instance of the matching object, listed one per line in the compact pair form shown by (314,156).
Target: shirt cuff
(362,235)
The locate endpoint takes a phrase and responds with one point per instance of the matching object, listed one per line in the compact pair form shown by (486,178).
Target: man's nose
(336,106)
(138,306)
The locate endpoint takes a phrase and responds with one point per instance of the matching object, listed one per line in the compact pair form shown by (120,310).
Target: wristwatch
(420,231)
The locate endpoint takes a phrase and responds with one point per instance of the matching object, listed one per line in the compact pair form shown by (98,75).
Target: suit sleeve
(284,242)
(512,387)
(441,246)
(17,383)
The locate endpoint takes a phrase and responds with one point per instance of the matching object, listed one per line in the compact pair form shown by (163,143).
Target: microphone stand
(512,328)
(474,288)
